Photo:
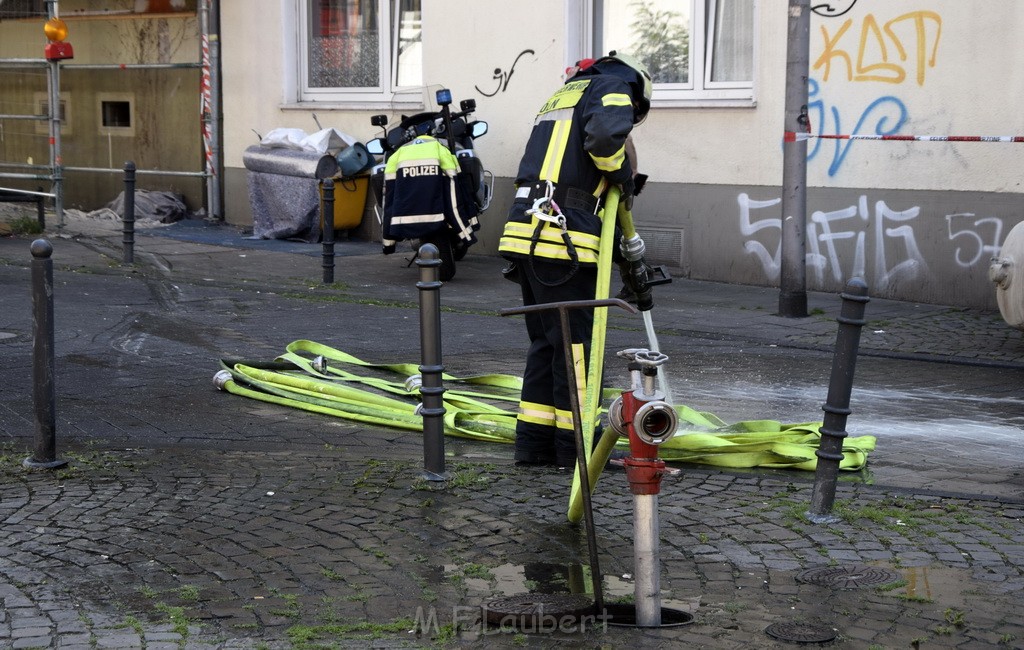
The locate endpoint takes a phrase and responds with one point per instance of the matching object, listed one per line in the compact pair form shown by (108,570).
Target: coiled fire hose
(481,407)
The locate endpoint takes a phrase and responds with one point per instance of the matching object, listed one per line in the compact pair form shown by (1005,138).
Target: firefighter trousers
(544,427)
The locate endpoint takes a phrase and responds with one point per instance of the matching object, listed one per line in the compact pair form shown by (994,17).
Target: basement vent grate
(664,245)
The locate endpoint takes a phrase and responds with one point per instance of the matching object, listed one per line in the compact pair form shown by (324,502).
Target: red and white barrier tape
(791,136)
(206,105)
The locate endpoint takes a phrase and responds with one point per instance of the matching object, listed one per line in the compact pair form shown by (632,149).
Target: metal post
(793,281)
(581,459)
(837,405)
(43,393)
(432,386)
(128,218)
(56,157)
(209,14)
(217,111)
(646,560)
(327,230)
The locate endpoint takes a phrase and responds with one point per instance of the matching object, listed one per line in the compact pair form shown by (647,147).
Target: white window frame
(384,93)
(699,90)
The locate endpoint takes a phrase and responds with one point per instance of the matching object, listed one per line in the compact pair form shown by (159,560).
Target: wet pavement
(190,518)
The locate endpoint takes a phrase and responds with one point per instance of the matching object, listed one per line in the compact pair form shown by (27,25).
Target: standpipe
(648,420)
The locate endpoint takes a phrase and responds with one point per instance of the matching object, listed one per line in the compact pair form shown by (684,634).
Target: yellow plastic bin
(349,201)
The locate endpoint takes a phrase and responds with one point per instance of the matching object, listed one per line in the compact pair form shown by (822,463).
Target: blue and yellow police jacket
(422,193)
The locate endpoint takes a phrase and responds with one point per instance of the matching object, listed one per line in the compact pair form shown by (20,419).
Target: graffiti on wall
(882,54)
(502,77)
(886,115)
(892,52)
(865,240)
(833,8)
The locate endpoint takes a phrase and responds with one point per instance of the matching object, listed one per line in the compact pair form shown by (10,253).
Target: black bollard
(327,229)
(432,385)
(43,393)
(128,219)
(837,404)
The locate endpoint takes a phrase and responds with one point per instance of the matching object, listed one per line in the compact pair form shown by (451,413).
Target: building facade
(919,220)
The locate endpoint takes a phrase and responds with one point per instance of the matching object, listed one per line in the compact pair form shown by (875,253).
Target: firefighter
(576,151)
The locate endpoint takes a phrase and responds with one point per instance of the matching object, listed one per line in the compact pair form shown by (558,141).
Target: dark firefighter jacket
(422,193)
(578,141)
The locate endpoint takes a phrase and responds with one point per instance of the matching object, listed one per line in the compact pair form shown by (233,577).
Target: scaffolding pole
(56,158)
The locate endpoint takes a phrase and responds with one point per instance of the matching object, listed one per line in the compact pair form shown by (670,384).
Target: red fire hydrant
(643,415)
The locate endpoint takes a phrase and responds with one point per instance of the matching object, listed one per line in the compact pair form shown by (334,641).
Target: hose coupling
(633,249)
(319,364)
(221,378)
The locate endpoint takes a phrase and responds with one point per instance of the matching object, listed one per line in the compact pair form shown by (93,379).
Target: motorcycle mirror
(477,129)
(467,105)
(379,120)
(376,146)
(395,138)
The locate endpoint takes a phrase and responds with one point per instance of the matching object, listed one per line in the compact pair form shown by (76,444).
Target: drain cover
(848,577)
(536,611)
(800,632)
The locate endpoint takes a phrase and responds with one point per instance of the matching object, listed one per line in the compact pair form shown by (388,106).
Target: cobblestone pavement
(188,518)
(170,548)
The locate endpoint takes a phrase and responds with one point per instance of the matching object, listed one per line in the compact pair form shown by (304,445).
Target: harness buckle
(545,209)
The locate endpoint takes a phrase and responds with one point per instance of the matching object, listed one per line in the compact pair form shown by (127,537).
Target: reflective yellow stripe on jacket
(518,236)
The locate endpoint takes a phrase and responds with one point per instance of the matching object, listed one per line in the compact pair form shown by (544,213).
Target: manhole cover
(848,577)
(536,611)
(800,632)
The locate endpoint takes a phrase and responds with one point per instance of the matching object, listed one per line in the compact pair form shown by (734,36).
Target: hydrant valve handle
(651,358)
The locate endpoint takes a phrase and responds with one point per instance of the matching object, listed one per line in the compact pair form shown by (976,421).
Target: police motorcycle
(426,202)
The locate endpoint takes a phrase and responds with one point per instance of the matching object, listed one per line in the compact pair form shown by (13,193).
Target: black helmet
(641,83)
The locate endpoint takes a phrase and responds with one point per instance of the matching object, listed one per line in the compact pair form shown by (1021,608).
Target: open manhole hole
(538,612)
(796,632)
(848,577)
(624,615)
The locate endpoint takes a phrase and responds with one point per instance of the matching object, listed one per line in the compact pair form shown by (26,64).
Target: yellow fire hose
(478,408)
(596,459)
(476,413)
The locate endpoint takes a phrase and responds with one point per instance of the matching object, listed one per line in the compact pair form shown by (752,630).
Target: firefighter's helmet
(642,86)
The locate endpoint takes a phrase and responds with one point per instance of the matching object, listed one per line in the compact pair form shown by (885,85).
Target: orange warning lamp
(56,31)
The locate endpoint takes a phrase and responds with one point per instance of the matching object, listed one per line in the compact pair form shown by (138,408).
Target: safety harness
(546,210)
